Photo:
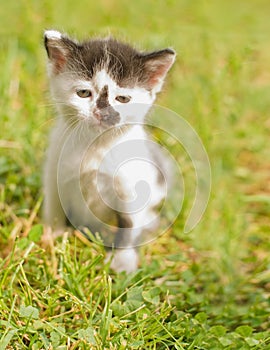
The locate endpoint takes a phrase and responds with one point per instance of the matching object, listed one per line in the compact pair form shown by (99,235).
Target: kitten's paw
(123,260)
(49,236)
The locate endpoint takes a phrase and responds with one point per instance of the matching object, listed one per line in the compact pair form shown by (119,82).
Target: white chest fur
(120,178)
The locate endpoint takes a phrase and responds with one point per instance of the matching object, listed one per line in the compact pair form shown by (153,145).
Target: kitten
(103,90)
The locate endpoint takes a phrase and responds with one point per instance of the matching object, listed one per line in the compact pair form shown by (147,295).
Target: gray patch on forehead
(103,99)
(122,62)
(109,115)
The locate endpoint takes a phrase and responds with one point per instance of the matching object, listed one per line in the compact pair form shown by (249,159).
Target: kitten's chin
(101,126)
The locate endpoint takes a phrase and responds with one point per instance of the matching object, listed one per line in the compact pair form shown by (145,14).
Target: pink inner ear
(157,65)
(58,58)
(158,73)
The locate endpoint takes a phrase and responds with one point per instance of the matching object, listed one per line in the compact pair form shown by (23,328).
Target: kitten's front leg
(53,214)
(123,259)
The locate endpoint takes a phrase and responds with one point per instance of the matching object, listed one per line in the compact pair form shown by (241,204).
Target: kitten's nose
(97,114)
(103,114)
(106,115)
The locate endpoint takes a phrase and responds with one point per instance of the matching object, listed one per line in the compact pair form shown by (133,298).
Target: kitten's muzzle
(106,116)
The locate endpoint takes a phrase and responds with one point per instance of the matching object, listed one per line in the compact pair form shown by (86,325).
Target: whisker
(40,126)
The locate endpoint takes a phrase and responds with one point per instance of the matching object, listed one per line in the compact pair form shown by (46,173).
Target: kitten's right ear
(58,48)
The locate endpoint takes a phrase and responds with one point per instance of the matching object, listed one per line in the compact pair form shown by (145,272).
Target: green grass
(209,289)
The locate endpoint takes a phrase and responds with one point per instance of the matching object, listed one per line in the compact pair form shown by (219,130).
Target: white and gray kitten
(103,90)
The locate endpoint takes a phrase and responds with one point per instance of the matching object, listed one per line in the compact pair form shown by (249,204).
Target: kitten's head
(105,82)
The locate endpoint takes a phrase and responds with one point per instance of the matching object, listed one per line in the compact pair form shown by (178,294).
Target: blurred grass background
(220,83)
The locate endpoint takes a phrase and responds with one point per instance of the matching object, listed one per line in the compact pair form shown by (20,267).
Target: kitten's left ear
(58,48)
(157,65)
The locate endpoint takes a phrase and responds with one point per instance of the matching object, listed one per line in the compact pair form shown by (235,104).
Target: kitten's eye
(123,99)
(84,93)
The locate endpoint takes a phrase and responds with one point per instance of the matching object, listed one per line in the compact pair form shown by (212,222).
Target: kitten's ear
(157,65)
(58,48)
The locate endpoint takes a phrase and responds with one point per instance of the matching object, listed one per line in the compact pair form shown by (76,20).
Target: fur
(103,90)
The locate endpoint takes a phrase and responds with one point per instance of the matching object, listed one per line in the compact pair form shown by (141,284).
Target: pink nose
(97,114)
